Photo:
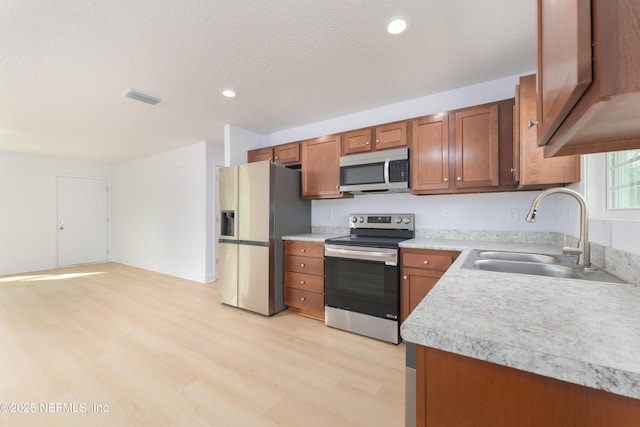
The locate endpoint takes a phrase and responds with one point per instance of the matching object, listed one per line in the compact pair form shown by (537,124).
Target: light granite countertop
(311,237)
(587,333)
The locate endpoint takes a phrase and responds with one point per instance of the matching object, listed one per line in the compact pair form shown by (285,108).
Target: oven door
(363,280)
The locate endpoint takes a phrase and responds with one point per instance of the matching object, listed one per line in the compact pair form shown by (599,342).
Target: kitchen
(150,194)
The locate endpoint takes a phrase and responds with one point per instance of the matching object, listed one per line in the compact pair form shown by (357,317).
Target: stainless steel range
(362,277)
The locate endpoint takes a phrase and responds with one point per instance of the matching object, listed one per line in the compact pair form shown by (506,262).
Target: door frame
(107,180)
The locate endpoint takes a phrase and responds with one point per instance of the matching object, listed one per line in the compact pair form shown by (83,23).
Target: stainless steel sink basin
(560,266)
(518,256)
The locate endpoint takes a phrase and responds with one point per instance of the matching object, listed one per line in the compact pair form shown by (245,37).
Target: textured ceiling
(65,64)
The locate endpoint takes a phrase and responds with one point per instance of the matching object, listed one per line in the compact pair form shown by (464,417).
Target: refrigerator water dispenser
(227,223)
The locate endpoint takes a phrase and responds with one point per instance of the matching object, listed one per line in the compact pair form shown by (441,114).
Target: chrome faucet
(584,257)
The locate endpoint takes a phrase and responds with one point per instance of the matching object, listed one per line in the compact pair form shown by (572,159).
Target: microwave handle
(386,171)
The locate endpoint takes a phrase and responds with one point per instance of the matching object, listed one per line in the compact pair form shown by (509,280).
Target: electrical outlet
(513,215)
(446,214)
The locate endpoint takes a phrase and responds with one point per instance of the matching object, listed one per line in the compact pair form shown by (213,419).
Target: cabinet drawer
(427,260)
(305,282)
(304,300)
(308,249)
(303,264)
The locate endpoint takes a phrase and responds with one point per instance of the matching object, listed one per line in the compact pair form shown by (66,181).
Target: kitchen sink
(518,256)
(560,266)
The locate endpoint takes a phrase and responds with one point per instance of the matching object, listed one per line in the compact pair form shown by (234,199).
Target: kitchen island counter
(582,332)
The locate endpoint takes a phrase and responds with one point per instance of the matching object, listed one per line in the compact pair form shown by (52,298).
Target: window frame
(635,160)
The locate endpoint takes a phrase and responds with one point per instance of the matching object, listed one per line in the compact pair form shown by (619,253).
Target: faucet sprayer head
(531,216)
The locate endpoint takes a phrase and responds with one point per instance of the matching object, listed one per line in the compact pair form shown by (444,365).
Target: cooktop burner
(377,230)
(367,241)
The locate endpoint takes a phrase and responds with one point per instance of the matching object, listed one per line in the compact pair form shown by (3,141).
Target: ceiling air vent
(142,97)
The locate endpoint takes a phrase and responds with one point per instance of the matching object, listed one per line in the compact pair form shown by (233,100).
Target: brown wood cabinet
(477,156)
(284,153)
(304,277)
(588,76)
(454,390)
(260,154)
(420,271)
(390,135)
(320,158)
(468,150)
(430,153)
(533,170)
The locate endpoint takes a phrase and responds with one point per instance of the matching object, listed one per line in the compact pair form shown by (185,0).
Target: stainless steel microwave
(375,172)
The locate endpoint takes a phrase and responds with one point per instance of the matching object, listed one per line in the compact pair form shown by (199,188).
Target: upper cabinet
(532,169)
(430,153)
(287,154)
(588,76)
(463,151)
(320,159)
(476,138)
(391,135)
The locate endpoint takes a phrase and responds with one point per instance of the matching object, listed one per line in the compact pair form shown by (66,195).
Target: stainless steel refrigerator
(258,204)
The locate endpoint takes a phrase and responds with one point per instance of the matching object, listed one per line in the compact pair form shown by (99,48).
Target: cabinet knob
(302,282)
(425,262)
(301,265)
(446,180)
(302,298)
(377,141)
(405,277)
(276,157)
(532,123)
(337,186)
(513,170)
(366,143)
(302,250)
(458,179)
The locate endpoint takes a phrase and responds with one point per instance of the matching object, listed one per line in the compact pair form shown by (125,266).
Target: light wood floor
(155,350)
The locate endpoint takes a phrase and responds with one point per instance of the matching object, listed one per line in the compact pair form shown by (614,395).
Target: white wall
(237,142)
(162,213)
(28,237)
(486,211)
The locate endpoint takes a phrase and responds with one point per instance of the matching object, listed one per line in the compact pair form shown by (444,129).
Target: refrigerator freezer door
(228,273)
(255,208)
(228,199)
(254,279)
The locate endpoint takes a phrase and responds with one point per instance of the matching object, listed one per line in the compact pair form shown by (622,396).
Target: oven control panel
(382,221)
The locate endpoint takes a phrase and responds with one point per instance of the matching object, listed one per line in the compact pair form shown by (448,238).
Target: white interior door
(82,221)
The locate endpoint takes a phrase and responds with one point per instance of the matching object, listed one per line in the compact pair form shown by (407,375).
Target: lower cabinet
(304,277)
(420,271)
(454,390)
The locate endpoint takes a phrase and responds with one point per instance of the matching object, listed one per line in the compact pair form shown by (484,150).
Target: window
(624,180)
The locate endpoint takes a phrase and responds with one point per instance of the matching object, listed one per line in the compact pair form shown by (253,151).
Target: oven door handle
(389,257)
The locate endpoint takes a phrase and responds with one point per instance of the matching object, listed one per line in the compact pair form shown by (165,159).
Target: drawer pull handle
(301,265)
(302,250)
(405,277)
(302,298)
(302,282)
(426,261)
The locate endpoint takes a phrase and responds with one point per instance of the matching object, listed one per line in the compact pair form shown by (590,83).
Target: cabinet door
(287,153)
(259,155)
(564,60)
(321,167)
(430,153)
(477,157)
(392,135)
(357,141)
(414,289)
(534,169)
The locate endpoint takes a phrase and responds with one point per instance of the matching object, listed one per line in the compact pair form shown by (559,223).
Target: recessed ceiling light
(229,93)
(397,25)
